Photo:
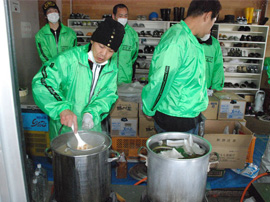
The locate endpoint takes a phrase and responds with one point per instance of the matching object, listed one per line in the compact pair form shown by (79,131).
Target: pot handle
(213,162)
(47,152)
(117,156)
(139,152)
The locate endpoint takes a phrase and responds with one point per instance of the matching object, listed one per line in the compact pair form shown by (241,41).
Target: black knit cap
(49,4)
(109,33)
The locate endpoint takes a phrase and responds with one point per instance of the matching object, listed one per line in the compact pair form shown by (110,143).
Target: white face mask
(123,21)
(53,17)
(206,37)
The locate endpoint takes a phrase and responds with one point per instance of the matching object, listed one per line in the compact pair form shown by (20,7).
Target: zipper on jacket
(165,77)
(99,76)
(118,59)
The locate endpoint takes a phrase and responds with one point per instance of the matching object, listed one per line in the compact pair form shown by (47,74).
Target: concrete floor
(257,126)
(133,194)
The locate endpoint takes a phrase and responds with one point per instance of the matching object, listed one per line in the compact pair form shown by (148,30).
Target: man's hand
(68,118)
(87,122)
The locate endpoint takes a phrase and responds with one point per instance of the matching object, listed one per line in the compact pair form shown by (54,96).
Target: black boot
(181,13)
(176,13)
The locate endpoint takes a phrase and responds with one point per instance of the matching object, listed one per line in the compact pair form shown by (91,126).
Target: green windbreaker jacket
(64,82)
(46,42)
(214,65)
(177,85)
(127,55)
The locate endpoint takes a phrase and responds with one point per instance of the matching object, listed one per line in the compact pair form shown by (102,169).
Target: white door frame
(12,177)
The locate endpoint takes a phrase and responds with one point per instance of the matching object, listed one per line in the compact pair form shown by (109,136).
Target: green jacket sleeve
(164,65)
(42,49)
(218,71)
(104,97)
(47,85)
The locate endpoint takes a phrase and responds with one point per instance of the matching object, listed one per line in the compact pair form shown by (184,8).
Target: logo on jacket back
(209,59)
(126,48)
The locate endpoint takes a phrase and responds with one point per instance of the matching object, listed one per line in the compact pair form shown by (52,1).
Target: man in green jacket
(214,62)
(79,86)
(128,51)
(54,37)
(176,93)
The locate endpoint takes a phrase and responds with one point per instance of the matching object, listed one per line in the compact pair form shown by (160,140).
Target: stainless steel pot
(176,180)
(82,176)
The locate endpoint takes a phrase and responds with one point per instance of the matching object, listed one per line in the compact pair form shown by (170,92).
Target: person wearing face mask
(128,51)
(54,37)
(79,86)
(214,62)
(176,93)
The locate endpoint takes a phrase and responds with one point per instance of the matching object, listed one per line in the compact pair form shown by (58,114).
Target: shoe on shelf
(247,28)
(241,28)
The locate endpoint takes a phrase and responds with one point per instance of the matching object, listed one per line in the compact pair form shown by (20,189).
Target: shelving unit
(83,26)
(246,69)
(149,33)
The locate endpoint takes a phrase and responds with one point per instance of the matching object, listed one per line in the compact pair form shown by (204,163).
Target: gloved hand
(87,122)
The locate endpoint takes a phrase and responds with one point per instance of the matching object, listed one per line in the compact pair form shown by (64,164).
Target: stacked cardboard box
(226,106)
(146,124)
(36,131)
(227,109)
(212,109)
(232,148)
(124,119)
(231,106)
(130,128)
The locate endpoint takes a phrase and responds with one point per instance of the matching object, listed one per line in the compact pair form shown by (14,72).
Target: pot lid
(65,144)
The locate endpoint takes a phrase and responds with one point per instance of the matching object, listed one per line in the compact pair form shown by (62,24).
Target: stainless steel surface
(100,142)
(176,180)
(81,177)
(92,139)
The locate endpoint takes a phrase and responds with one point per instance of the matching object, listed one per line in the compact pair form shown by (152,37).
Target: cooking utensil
(174,180)
(85,176)
(93,139)
(81,144)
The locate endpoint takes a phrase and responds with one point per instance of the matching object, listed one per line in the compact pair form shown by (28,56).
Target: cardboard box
(250,98)
(36,142)
(231,106)
(124,126)
(232,148)
(212,110)
(35,121)
(125,109)
(146,127)
(140,109)
(243,122)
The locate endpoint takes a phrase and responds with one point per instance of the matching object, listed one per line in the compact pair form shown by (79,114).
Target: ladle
(81,144)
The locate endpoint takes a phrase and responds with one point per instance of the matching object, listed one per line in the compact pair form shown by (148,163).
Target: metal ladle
(81,144)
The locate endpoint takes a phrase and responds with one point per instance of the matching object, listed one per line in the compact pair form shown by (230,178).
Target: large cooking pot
(176,180)
(82,175)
